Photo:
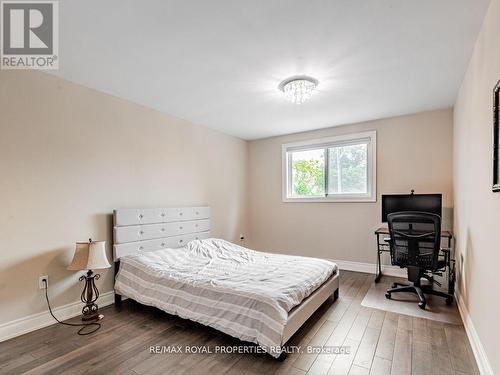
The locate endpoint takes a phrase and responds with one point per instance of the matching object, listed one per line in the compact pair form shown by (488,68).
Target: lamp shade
(89,256)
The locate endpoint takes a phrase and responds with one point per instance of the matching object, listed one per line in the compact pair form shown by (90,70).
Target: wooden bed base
(118,297)
(300,313)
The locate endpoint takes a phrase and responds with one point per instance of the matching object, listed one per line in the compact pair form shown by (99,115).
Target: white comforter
(244,293)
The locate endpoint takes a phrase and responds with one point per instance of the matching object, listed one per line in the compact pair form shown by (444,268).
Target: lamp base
(92,318)
(90,294)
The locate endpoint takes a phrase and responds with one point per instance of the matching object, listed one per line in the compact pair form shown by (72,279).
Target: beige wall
(477,209)
(70,155)
(413,152)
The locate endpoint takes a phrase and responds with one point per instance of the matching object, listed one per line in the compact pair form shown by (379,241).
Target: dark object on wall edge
(496,138)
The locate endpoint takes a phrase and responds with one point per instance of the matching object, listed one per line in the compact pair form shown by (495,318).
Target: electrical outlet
(41,284)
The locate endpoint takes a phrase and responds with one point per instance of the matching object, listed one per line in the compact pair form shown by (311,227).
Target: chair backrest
(415,239)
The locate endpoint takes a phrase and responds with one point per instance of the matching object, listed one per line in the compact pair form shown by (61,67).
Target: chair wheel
(449,300)
(388,295)
(422,305)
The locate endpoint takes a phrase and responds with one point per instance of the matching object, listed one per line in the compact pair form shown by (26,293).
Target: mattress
(244,293)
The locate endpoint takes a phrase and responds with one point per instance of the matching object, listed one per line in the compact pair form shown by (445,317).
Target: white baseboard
(33,322)
(370,268)
(477,347)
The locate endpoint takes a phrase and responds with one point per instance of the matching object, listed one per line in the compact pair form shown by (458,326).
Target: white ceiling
(218,63)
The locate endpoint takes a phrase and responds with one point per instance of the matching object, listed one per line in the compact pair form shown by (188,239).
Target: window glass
(347,169)
(308,173)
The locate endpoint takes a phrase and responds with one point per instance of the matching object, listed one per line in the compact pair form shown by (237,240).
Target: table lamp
(90,256)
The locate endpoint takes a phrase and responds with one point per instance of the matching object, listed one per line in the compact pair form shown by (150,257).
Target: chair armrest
(446,252)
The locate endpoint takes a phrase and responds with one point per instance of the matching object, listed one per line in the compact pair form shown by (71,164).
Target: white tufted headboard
(150,229)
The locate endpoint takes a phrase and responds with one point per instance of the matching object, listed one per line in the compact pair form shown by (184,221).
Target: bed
(167,258)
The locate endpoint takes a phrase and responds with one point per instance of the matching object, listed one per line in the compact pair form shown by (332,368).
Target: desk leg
(451,270)
(379,267)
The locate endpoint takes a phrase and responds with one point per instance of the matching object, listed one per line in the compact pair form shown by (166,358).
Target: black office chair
(415,243)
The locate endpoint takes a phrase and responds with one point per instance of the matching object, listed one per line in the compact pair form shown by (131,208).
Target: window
(330,169)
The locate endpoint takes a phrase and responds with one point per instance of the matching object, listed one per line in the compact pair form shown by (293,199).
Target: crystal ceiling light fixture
(298,89)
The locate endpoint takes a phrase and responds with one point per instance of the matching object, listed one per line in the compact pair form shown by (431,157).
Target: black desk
(383,246)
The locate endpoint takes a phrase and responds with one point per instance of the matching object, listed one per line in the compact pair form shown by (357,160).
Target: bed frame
(150,229)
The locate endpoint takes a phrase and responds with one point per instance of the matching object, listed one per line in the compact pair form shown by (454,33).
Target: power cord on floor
(81,331)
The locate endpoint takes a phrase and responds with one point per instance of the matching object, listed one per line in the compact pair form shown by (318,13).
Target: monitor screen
(411,202)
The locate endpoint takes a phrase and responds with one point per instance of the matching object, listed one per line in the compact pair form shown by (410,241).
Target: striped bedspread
(244,293)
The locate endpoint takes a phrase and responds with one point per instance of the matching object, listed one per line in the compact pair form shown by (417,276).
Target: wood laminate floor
(379,343)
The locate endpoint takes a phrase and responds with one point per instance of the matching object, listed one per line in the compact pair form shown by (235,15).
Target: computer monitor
(391,203)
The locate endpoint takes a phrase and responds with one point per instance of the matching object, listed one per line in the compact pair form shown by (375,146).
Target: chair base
(420,290)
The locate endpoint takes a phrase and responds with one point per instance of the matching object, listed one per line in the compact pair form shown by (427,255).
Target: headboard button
(180,228)
(140,216)
(141,248)
(196,225)
(197,213)
(163,244)
(163,229)
(141,232)
(180,213)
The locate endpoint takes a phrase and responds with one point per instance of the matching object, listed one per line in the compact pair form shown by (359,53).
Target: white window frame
(353,138)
